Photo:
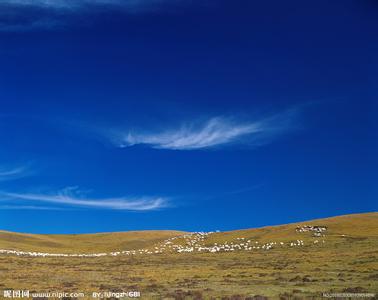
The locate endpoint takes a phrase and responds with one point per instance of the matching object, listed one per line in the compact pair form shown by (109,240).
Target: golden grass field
(347,261)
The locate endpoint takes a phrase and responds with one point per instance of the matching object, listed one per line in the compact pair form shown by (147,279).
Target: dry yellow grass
(71,243)
(346,262)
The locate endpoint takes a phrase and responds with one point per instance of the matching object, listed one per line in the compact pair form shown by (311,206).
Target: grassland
(73,243)
(347,261)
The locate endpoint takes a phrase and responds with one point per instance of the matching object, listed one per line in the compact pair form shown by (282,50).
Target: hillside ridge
(353,226)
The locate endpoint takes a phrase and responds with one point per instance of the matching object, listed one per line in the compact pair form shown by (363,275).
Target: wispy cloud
(28,207)
(70,197)
(7,173)
(29,15)
(214,132)
(76,4)
(132,5)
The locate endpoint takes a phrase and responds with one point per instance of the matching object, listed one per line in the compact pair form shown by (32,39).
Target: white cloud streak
(65,198)
(214,132)
(13,173)
(130,5)
(28,207)
(15,15)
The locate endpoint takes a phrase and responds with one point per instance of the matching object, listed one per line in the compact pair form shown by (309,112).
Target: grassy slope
(83,243)
(352,226)
(347,261)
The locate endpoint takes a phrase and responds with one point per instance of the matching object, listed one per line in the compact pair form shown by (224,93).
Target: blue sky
(190,115)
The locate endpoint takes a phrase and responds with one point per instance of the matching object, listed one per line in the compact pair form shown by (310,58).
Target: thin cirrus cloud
(215,132)
(31,15)
(28,207)
(66,198)
(79,4)
(13,173)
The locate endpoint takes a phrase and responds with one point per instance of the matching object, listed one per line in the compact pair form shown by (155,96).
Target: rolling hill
(293,261)
(69,243)
(355,226)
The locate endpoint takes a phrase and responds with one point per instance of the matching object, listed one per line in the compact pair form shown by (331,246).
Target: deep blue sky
(189,115)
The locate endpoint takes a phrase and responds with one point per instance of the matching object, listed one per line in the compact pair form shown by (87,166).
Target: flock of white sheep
(317,231)
(187,243)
